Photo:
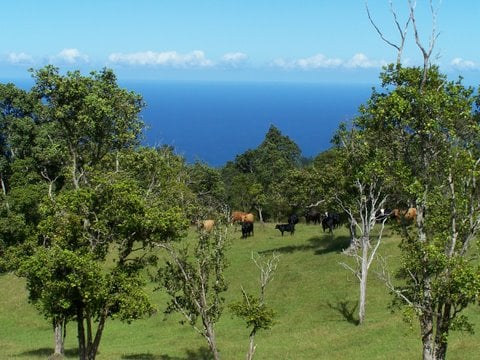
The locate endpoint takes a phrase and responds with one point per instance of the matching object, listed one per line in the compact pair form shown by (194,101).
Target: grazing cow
(286,227)
(404,216)
(328,223)
(237,216)
(206,225)
(248,218)
(293,219)
(335,218)
(411,214)
(312,215)
(247,229)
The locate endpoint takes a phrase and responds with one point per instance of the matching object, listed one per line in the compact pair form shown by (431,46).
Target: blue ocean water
(215,121)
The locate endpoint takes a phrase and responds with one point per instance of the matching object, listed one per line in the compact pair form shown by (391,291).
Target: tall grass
(315,300)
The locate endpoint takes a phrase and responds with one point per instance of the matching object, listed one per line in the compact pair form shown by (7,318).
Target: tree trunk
(92,351)
(441,333)
(251,346)
(354,243)
(210,332)
(82,349)
(4,191)
(363,281)
(260,214)
(60,332)
(426,324)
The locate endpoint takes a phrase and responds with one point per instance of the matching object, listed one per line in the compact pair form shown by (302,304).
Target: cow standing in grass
(237,216)
(247,229)
(206,225)
(312,215)
(286,227)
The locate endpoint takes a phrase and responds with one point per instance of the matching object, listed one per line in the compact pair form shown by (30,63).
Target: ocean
(213,122)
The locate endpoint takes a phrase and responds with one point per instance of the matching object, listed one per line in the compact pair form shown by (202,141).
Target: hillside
(313,296)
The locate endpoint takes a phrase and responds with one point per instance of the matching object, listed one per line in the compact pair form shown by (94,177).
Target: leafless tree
(363,249)
(402,30)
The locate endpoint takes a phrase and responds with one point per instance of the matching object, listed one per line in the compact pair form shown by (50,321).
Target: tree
(361,195)
(440,163)
(209,189)
(266,166)
(254,310)
(102,199)
(21,182)
(195,282)
(427,125)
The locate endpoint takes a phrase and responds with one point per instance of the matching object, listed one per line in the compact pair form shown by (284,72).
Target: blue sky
(294,40)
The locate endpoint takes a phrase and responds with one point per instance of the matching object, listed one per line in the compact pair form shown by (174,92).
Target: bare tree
(369,203)
(427,53)
(402,31)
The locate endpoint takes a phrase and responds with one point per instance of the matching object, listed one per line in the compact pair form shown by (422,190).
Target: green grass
(313,296)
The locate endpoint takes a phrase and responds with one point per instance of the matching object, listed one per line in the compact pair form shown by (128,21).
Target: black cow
(328,222)
(247,229)
(293,219)
(312,215)
(335,218)
(286,227)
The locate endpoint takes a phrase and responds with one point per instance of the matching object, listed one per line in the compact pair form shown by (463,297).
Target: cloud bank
(198,60)
(70,56)
(321,61)
(195,59)
(19,58)
(462,64)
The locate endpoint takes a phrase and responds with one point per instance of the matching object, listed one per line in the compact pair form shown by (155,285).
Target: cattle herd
(328,220)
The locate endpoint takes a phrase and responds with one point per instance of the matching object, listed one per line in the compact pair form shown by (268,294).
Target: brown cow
(237,216)
(248,218)
(206,225)
(404,215)
(411,214)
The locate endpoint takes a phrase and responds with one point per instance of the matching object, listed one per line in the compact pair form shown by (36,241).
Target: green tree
(21,181)
(253,309)
(427,127)
(209,189)
(99,198)
(195,281)
(265,166)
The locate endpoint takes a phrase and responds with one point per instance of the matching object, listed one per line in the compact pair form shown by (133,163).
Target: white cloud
(362,61)
(320,61)
(233,60)
(19,58)
(463,64)
(195,58)
(234,57)
(70,56)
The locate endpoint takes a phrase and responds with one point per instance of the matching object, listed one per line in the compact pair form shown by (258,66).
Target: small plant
(253,309)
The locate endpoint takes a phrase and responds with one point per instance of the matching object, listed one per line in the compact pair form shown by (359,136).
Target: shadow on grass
(203,353)
(47,352)
(149,357)
(333,244)
(346,309)
(319,244)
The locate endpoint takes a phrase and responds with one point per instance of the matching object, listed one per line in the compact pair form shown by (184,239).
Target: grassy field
(314,298)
